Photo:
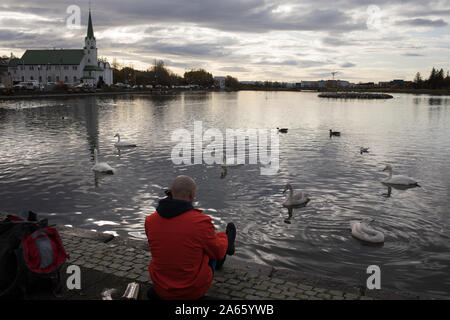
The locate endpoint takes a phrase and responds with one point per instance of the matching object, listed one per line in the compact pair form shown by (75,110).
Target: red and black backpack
(31,255)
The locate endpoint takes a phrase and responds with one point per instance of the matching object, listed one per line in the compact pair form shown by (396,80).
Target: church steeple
(90,45)
(90,30)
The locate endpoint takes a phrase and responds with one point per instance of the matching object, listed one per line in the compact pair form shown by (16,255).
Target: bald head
(183,188)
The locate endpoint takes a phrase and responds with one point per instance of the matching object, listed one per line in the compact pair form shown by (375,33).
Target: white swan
(398,179)
(294,199)
(363,231)
(123,143)
(102,167)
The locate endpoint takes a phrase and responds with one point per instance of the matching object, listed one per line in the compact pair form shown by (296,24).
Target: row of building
(346,84)
(70,66)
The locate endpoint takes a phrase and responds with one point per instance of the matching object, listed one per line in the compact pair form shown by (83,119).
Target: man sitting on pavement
(184,245)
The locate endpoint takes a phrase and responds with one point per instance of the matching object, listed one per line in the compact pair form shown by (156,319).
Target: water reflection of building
(91,118)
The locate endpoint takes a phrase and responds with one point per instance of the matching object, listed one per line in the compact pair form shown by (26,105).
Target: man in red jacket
(184,245)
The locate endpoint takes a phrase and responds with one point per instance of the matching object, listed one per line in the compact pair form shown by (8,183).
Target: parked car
(28,85)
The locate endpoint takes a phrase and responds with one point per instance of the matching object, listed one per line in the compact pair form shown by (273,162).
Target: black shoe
(231,234)
(219,264)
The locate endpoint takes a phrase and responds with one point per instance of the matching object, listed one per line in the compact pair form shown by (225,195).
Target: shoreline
(58,95)
(126,260)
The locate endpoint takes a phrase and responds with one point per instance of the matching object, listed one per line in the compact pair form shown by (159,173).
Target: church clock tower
(90,45)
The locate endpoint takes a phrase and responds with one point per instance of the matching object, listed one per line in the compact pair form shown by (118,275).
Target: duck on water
(334,133)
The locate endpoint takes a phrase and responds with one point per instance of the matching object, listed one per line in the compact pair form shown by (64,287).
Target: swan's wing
(299,195)
(400,179)
(103,166)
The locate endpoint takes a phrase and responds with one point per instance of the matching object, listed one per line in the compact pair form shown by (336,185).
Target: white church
(69,66)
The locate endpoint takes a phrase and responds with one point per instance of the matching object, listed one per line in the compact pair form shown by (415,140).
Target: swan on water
(398,179)
(363,231)
(364,150)
(294,198)
(102,167)
(123,143)
(282,130)
(334,133)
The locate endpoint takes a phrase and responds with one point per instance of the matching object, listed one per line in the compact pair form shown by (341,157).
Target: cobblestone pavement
(131,262)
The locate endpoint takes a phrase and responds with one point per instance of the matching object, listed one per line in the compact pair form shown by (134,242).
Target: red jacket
(181,247)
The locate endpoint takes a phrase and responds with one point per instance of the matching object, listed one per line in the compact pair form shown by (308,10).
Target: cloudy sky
(364,40)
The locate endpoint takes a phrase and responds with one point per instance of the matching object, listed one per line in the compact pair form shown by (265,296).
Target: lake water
(46,155)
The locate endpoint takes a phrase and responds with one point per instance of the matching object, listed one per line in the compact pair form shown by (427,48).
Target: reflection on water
(47,153)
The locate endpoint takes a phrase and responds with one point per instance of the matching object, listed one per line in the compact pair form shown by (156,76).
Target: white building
(220,81)
(69,66)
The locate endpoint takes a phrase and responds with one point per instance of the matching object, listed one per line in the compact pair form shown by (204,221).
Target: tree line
(437,80)
(159,74)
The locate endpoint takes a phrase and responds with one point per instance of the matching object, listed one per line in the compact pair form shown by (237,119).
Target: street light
(333,73)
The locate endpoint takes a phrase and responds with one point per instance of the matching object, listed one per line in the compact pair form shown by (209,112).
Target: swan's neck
(95,157)
(291,193)
(118,138)
(390,173)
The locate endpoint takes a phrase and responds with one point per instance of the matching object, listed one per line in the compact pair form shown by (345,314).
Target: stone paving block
(261,287)
(119,273)
(251,297)
(263,294)
(274,290)
(99,268)
(115,266)
(277,281)
(144,278)
(304,287)
(336,293)
(290,294)
(349,296)
(219,279)
(125,268)
(233,281)
(132,275)
(324,296)
(238,294)
(237,287)
(249,290)
(277,296)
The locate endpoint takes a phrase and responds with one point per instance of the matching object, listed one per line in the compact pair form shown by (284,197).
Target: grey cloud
(348,65)
(333,41)
(420,22)
(408,54)
(300,63)
(234,69)
(229,15)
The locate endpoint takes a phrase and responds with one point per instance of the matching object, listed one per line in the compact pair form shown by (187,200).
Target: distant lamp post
(333,73)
